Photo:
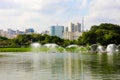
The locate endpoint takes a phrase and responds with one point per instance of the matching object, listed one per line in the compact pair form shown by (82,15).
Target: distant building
(3,33)
(68,35)
(20,32)
(78,27)
(71,28)
(75,27)
(45,32)
(73,31)
(71,35)
(11,33)
(29,31)
(57,31)
(66,30)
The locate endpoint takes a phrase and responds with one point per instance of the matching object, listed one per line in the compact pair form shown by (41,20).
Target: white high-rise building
(75,27)
(74,31)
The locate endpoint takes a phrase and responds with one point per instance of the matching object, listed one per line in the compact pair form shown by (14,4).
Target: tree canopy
(104,34)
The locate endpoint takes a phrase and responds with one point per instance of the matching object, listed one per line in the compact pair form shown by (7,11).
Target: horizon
(41,15)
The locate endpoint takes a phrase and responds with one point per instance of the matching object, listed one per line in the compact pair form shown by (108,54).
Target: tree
(104,34)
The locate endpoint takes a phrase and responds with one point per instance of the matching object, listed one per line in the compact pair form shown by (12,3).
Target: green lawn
(15,49)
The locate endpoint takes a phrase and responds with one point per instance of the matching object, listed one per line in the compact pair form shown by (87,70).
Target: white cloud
(40,14)
(103,11)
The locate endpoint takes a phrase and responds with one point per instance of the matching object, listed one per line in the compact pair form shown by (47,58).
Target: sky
(41,14)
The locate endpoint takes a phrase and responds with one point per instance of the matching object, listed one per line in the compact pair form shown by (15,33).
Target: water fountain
(111,48)
(118,48)
(51,45)
(54,66)
(93,48)
(73,45)
(100,49)
(35,46)
(72,48)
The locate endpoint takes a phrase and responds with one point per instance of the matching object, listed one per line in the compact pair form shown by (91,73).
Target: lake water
(59,66)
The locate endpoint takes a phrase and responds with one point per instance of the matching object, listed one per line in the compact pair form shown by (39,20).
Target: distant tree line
(25,40)
(103,34)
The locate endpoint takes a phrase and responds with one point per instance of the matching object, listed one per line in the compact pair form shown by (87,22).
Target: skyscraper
(57,31)
(75,27)
(74,31)
(71,27)
(79,27)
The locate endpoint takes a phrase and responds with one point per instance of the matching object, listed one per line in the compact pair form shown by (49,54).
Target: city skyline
(41,14)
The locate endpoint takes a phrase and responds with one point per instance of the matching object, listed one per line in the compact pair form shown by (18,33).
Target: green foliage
(71,49)
(26,39)
(103,34)
(3,38)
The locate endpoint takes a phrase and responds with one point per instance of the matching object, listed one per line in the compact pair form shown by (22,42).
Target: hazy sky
(41,14)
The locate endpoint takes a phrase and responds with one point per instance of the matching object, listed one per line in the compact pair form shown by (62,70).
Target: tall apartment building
(57,31)
(73,31)
(75,27)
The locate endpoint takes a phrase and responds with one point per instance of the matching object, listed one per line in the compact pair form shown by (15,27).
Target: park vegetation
(104,34)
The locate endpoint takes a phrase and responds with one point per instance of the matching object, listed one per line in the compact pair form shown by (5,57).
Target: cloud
(103,11)
(41,14)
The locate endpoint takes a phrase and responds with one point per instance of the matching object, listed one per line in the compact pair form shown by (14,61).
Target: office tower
(74,32)
(57,31)
(29,31)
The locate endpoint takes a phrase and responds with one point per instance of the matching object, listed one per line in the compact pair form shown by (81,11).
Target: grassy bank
(44,49)
(15,49)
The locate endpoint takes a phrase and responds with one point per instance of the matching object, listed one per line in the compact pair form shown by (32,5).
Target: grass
(44,49)
(71,49)
(15,49)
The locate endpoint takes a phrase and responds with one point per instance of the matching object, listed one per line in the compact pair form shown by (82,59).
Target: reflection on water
(59,66)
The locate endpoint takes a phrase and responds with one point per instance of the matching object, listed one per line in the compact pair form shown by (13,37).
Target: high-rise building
(66,29)
(57,31)
(73,32)
(79,29)
(29,31)
(75,27)
(71,27)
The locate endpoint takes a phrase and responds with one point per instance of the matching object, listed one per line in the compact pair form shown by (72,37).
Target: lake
(59,66)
